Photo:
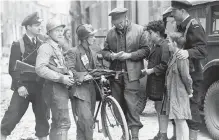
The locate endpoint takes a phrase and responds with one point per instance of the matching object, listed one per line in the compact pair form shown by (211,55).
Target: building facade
(96,13)
(12,14)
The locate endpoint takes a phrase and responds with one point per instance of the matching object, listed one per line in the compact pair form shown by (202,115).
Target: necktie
(34,41)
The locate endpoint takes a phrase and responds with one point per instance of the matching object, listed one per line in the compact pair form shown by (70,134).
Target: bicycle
(112,123)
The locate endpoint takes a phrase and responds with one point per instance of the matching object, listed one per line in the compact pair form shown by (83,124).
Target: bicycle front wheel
(113,120)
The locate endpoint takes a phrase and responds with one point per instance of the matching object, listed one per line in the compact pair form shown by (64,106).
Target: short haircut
(156,26)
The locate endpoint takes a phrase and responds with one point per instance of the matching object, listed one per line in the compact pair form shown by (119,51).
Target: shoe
(156,137)
(163,136)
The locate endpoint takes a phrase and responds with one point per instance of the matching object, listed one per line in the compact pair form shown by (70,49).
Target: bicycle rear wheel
(113,120)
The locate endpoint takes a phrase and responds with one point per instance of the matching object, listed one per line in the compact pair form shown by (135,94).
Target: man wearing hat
(195,51)
(79,60)
(125,48)
(50,64)
(27,87)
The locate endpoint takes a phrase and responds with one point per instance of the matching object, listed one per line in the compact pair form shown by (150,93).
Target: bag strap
(187,27)
(22,48)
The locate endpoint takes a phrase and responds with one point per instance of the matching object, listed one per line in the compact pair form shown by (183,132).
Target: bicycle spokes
(113,119)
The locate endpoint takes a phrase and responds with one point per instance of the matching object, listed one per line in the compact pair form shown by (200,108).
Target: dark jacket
(158,60)
(75,64)
(20,79)
(196,46)
(136,44)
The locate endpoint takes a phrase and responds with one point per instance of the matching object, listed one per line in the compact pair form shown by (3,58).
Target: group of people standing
(174,74)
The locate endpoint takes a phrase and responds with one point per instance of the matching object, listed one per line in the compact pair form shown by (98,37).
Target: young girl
(179,87)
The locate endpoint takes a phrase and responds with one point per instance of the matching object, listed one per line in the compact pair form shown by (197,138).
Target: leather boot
(163,136)
(134,132)
(156,137)
(193,134)
(42,138)
(3,137)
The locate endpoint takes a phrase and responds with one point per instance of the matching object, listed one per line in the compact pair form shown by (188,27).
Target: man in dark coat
(27,86)
(195,51)
(125,48)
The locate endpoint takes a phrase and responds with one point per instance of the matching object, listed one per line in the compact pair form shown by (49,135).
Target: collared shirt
(49,54)
(31,39)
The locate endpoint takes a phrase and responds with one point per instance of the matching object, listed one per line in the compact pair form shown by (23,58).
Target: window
(215,20)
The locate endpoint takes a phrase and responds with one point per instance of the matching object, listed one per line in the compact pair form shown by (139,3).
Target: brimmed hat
(85,30)
(167,12)
(181,4)
(31,19)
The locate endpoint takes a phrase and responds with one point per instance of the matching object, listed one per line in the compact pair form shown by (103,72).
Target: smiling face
(57,33)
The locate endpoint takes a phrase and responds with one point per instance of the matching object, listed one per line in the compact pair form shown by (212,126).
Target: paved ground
(25,129)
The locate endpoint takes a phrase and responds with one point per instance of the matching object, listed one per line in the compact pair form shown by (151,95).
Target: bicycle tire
(109,100)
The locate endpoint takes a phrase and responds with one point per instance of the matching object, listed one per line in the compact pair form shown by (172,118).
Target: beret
(31,19)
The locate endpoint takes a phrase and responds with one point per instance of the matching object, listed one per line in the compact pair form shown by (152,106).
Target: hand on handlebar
(68,80)
(87,77)
(103,79)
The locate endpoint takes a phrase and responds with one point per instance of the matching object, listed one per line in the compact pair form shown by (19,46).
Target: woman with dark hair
(157,66)
(67,42)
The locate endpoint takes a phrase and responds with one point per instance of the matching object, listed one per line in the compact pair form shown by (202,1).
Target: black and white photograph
(109,70)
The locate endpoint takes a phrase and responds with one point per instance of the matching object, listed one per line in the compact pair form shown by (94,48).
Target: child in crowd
(179,87)
(156,70)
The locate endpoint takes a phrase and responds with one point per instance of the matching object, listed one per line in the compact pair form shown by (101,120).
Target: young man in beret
(195,51)
(27,86)
(125,48)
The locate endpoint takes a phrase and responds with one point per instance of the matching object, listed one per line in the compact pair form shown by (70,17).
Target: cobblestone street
(25,129)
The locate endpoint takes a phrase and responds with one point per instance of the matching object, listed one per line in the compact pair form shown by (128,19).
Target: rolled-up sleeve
(42,61)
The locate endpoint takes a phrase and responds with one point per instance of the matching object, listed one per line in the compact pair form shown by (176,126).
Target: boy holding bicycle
(79,60)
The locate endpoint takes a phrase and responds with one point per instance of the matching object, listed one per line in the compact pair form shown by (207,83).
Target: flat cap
(181,4)
(31,19)
(117,13)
